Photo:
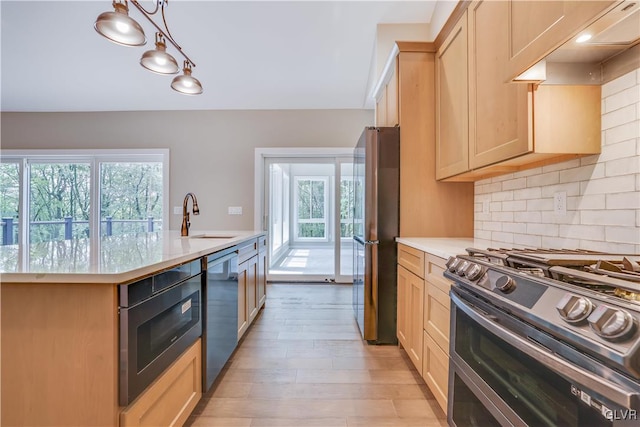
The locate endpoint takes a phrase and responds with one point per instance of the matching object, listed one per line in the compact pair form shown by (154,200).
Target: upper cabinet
(498,110)
(405,95)
(486,126)
(452,100)
(535,28)
(387,103)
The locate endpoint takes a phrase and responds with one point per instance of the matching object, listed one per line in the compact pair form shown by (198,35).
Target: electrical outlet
(235,210)
(560,203)
(177,210)
(485,206)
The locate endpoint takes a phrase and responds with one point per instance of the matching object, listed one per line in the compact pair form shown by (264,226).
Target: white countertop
(113,259)
(444,247)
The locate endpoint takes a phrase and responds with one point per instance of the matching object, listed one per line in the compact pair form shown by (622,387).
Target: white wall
(212,152)
(603,191)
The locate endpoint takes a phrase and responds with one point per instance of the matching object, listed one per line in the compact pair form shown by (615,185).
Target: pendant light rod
(165,32)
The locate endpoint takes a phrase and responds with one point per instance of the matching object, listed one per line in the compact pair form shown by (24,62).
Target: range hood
(580,60)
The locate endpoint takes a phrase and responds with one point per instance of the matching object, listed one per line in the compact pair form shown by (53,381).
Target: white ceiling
(249,55)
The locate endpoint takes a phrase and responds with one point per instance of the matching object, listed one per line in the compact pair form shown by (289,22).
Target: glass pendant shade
(119,27)
(186,84)
(158,60)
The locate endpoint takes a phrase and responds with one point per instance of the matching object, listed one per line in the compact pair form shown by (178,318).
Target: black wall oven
(160,317)
(503,373)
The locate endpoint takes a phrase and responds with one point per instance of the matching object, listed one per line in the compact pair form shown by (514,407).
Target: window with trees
(311,208)
(76,194)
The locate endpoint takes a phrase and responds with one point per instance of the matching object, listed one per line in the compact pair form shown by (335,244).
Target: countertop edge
(127,276)
(444,247)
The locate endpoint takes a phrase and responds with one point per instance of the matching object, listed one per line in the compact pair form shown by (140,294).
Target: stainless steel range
(544,338)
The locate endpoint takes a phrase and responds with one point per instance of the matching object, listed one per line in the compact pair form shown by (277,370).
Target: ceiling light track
(121,29)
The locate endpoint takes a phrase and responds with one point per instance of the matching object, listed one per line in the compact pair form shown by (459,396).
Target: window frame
(325,180)
(94,158)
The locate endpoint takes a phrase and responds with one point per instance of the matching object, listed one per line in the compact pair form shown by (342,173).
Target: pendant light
(158,60)
(186,84)
(118,27)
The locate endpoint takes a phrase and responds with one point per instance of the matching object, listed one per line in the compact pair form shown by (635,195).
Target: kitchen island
(60,325)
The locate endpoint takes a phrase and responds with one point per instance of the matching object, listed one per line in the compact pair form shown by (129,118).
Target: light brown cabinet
(262,272)
(172,397)
(252,281)
(536,28)
(411,302)
(510,126)
(423,317)
(452,101)
(387,103)
(412,72)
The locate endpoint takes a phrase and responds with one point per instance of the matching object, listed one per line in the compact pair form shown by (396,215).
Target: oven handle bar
(624,398)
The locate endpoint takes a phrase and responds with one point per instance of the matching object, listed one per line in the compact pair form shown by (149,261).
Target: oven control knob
(505,284)
(453,263)
(461,268)
(574,309)
(611,323)
(474,271)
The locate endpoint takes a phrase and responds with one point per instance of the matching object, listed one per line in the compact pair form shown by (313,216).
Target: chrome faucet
(184,230)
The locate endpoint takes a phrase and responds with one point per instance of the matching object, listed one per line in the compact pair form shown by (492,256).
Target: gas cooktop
(588,299)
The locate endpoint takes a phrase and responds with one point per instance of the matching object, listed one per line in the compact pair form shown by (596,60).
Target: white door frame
(261,154)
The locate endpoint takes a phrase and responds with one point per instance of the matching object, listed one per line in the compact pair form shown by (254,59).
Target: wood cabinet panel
(436,370)
(243,298)
(60,354)
(252,288)
(262,272)
(498,113)
(410,314)
(436,316)
(403,309)
(392,99)
(412,259)
(452,103)
(416,291)
(172,397)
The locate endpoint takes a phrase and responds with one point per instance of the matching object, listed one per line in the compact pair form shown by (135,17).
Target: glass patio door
(308,216)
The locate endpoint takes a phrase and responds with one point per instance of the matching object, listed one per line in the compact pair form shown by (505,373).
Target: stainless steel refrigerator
(376,225)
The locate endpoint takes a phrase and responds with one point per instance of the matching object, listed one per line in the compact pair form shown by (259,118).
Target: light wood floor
(303,363)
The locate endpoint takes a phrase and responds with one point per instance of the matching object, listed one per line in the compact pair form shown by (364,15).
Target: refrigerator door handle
(365,242)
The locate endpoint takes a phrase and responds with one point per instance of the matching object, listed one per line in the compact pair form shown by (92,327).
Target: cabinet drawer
(435,370)
(262,243)
(434,269)
(436,315)
(412,259)
(247,250)
(170,400)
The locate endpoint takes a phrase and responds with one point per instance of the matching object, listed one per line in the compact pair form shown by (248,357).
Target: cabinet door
(252,288)
(172,397)
(538,27)
(262,278)
(403,309)
(436,370)
(416,300)
(452,103)
(392,99)
(243,282)
(498,113)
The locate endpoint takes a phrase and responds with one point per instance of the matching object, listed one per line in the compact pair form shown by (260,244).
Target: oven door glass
(539,396)
(468,410)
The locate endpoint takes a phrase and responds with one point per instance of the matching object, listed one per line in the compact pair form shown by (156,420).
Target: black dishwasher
(220,314)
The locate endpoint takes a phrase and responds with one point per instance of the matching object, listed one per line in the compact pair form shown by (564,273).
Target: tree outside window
(311,208)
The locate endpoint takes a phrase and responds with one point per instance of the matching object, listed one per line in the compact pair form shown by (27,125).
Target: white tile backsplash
(603,191)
